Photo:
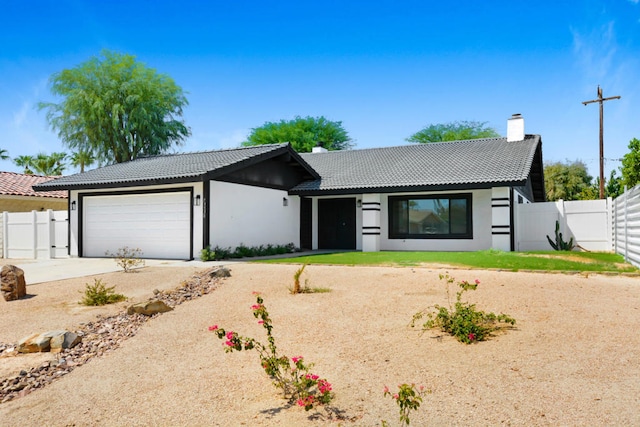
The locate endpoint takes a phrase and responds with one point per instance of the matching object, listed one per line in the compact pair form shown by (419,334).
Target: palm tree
(25,162)
(50,165)
(4,154)
(82,158)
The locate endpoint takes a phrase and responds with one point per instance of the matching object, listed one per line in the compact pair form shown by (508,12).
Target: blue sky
(385,69)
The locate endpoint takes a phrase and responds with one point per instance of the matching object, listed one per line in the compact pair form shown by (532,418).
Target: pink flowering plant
(291,375)
(408,398)
(462,320)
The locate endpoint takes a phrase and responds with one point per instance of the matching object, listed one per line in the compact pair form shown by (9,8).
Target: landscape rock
(54,341)
(12,283)
(34,343)
(220,272)
(61,340)
(149,308)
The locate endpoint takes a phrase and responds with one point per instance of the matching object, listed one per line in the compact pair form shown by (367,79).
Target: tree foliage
(567,181)
(453,131)
(82,159)
(631,164)
(4,154)
(117,109)
(43,164)
(303,133)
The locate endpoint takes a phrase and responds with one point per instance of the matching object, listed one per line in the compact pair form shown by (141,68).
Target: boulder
(148,308)
(53,341)
(12,283)
(62,339)
(220,272)
(34,343)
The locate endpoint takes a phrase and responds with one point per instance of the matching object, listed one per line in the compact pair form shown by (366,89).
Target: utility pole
(601,101)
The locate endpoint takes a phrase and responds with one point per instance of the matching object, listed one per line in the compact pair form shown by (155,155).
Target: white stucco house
(453,196)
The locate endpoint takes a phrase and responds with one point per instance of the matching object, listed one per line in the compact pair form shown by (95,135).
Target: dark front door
(337,223)
(306,223)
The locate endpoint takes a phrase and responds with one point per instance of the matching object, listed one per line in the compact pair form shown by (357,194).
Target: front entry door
(337,223)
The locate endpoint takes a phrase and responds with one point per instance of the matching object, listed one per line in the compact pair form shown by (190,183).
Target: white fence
(587,221)
(626,225)
(35,235)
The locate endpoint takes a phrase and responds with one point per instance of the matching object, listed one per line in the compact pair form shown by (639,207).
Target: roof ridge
(219,150)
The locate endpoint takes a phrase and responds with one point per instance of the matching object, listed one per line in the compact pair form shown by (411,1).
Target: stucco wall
(252,216)
(28,204)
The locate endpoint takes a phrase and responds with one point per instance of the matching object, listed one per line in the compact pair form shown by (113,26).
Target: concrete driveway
(47,270)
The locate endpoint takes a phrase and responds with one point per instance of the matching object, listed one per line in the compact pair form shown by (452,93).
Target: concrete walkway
(48,270)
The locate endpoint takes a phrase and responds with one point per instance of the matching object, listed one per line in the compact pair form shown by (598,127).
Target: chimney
(319,148)
(515,128)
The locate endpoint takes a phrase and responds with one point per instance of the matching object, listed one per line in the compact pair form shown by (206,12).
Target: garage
(159,224)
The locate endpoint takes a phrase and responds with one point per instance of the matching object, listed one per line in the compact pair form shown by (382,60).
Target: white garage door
(157,223)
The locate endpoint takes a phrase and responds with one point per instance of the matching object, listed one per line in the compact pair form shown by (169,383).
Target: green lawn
(513,261)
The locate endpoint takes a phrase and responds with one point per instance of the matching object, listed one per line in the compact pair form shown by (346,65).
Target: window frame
(456,196)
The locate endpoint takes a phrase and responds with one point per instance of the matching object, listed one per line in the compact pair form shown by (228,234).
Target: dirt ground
(573,358)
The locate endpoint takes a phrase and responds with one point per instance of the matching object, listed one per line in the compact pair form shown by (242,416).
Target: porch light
(196,200)
(359,203)
(73,205)
(285,201)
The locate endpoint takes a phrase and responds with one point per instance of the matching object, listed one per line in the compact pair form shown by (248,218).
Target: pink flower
(228,343)
(255,293)
(255,307)
(395,396)
(472,336)
(300,402)
(230,335)
(477,282)
(386,389)
(296,359)
(213,328)
(260,322)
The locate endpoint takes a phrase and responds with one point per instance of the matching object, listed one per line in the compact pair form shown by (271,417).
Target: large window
(430,217)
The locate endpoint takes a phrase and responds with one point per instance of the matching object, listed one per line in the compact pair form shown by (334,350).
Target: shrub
(242,251)
(462,320)
(99,294)
(127,258)
(207,254)
(408,399)
(291,375)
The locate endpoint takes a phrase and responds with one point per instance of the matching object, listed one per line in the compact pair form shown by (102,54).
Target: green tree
(116,108)
(303,133)
(631,164)
(453,131)
(567,181)
(81,159)
(43,164)
(614,187)
(4,154)
(25,162)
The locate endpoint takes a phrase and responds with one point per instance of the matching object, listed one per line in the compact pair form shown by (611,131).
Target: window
(430,217)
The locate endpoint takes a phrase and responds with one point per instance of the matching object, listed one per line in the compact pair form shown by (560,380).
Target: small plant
(127,258)
(99,294)
(408,399)
(560,244)
(296,280)
(291,375)
(207,254)
(462,320)
(306,289)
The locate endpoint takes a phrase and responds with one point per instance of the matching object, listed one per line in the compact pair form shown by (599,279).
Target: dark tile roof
(436,166)
(17,184)
(168,168)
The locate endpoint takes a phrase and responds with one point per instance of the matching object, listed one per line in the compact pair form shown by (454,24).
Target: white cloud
(20,116)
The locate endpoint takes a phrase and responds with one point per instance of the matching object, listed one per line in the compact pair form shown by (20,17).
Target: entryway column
(370,222)
(501,218)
